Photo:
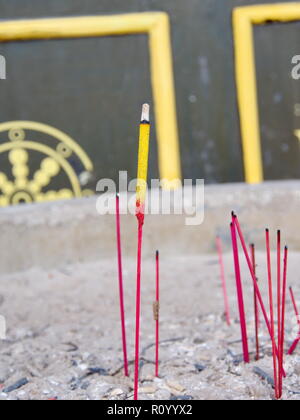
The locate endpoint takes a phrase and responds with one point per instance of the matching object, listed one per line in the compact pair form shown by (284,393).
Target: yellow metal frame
(243,20)
(157,26)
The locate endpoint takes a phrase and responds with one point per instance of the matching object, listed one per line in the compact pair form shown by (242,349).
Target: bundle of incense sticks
(277,346)
(141,190)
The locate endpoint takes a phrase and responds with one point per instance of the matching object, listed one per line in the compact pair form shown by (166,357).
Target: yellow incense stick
(141,188)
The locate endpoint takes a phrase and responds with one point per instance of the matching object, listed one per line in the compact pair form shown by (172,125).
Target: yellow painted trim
(243,20)
(165,102)
(297,134)
(156,25)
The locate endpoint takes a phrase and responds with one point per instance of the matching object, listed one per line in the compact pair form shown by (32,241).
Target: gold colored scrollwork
(19,187)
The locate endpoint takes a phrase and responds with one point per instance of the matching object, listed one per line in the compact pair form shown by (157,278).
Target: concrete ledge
(54,234)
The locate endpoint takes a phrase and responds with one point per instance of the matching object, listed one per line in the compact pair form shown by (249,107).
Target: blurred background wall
(92,89)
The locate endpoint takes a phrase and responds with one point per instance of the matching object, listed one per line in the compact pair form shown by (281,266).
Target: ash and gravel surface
(63,339)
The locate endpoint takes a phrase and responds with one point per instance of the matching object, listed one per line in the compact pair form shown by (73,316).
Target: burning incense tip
(233,214)
(286,247)
(157,253)
(145,113)
(267,230)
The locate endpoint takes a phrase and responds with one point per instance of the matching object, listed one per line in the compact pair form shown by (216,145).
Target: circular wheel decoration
(60,159)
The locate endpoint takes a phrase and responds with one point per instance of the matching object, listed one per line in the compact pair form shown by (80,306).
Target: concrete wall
(55,234)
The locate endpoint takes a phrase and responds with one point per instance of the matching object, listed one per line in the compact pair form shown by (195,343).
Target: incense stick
(294,346)
(279,285)
(240,296)
(279,305)
(223,280)
(140,214)
(256,309)
(270,285)
(156,316)
(121,290)
(296,342)
(283,303)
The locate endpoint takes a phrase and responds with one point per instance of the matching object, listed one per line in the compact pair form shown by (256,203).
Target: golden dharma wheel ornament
(45,164)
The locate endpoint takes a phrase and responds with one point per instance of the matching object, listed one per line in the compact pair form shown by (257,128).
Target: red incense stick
(279,305)
(283,303)
(275,360)
(296,342)
(256,309)
(294,346)
(226,303)
(121,290)
(156,316)
(138,307)
(279,286)
(240,296)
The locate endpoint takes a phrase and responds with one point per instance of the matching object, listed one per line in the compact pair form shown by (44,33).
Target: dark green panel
(278,94)
(93,89)
(86,88)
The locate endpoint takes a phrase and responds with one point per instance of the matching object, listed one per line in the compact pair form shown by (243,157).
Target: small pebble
(116,391)
(147,390)
(83,367)
(162,394)
(22,382)
(176,386)
(199,367)
(182,397)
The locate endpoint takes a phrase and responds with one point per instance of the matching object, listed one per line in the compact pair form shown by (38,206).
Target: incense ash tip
(145,113)
(233,213)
